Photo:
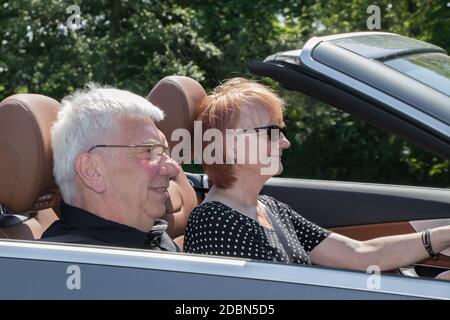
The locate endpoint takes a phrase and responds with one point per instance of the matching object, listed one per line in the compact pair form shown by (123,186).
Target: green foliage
(133,44)
(129,44)
(331,145)
(328,144)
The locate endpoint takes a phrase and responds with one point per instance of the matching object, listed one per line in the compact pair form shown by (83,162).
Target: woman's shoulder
(210,209)
(279,209)
(274,203)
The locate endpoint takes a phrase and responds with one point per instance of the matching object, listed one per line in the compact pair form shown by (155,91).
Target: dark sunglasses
(273,132)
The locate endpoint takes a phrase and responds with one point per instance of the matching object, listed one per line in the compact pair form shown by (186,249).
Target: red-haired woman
(234,220)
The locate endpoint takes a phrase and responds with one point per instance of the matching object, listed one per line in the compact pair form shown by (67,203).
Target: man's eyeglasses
(273,132)
(155,151)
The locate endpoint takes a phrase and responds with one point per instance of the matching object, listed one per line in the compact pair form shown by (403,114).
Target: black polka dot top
(216,229)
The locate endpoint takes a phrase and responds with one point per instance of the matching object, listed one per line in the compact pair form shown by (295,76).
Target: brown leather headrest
(179,97)
(26,178)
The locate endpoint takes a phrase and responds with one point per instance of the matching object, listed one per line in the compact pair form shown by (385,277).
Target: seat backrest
(27,186)
(180,98)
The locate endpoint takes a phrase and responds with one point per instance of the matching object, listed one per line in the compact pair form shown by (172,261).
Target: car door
(37,270)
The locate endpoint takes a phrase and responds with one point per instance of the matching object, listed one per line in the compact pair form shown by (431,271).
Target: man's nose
(169,167)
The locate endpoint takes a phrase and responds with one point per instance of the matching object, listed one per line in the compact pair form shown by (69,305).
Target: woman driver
(234,220)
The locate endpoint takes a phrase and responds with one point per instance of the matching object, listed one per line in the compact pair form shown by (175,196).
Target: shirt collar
(107,231)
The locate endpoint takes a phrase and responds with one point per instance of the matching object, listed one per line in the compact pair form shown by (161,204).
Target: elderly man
(113,171)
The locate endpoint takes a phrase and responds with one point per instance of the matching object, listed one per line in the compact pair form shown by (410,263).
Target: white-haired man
(113,170)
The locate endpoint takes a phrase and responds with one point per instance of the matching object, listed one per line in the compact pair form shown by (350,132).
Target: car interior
(29,196)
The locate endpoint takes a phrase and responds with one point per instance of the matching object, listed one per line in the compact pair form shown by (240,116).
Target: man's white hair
(85,115)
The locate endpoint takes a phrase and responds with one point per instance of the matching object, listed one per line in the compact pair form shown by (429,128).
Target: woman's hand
(444,276)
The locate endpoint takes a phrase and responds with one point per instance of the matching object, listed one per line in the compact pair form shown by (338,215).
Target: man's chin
(159,205)
(158,212)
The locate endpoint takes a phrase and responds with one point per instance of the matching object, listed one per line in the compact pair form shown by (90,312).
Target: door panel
(65,271)
(362,211)
(371,231)
(333,204)
(49,281)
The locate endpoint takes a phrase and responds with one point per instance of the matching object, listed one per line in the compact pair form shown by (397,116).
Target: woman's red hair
(221,110)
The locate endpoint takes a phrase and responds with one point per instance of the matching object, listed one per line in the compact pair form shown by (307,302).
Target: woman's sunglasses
(273,132)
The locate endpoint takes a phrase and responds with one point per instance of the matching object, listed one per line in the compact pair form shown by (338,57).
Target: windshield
(377,46)
(433,69)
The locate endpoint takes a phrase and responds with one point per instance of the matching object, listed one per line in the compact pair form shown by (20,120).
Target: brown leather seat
(179,97)
(27,187)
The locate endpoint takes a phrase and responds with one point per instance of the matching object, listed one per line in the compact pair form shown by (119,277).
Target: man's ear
(89,169)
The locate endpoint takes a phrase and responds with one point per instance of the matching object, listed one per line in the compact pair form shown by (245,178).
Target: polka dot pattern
(216,229)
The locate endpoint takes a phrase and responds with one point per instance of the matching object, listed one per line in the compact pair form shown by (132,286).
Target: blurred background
(133,44)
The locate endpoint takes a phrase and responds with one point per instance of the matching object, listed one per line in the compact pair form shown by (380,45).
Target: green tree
(132,44)
(328,144)
(129,44)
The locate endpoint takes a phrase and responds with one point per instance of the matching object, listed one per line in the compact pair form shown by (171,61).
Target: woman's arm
(387,252)
(444,276)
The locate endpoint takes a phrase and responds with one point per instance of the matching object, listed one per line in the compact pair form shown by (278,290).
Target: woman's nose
(284,143)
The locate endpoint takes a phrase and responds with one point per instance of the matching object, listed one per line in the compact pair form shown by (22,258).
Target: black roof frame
(353,102)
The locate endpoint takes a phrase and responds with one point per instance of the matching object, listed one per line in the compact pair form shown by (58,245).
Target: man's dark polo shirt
(80,226)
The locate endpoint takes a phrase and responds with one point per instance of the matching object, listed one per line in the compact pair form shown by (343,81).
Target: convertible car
(398,84)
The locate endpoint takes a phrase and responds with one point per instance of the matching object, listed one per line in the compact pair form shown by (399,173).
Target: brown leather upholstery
(32,228)
(26,179)
(180,98)
(25,151)
(372,231)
